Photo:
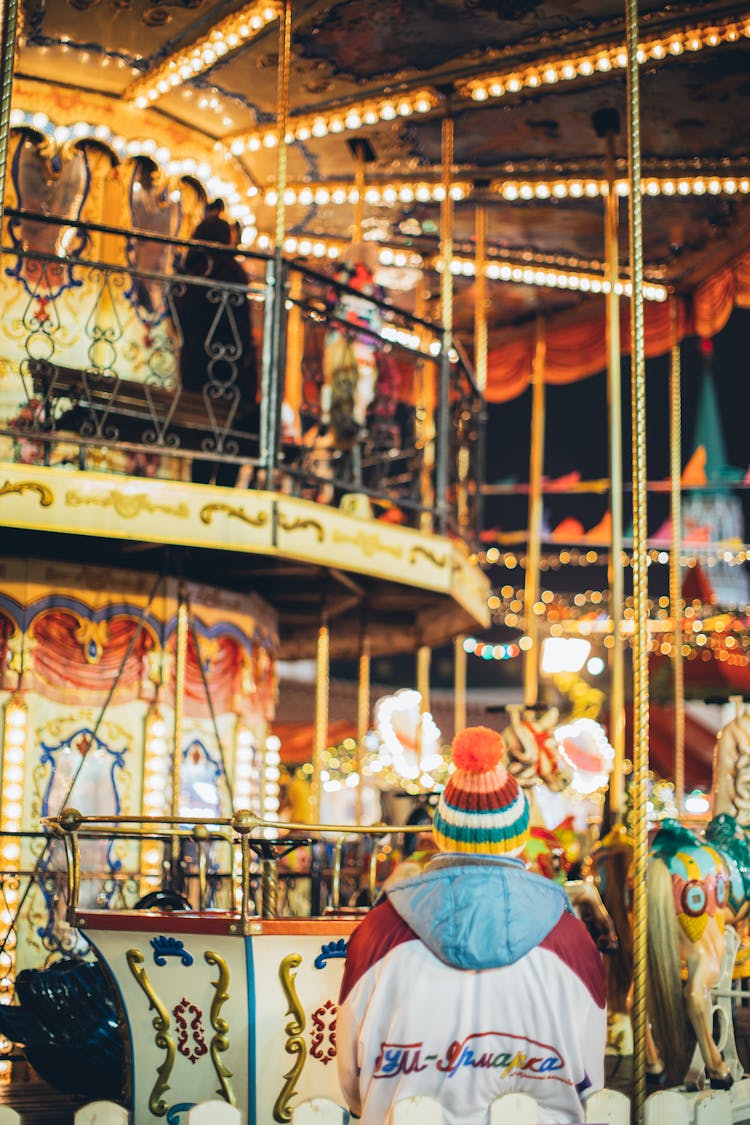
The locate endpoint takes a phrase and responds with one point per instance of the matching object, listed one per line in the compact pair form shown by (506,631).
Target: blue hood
(478,912)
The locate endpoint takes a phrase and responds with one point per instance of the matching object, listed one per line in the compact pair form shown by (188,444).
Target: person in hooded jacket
(473,979)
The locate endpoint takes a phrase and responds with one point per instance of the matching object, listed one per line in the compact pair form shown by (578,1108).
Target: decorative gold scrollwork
(220,1038)
(295,1044)
(46,495)
(127,505)
(162,1039)
(302,525)
(436,560)
(368,543)
(207,513)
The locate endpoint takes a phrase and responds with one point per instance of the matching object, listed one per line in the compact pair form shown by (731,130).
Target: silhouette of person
(217,357)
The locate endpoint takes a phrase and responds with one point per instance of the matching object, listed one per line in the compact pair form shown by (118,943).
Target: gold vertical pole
(181,645)
(424,657)
(425,425)
(294,344)
(533,555)
(640,571)
(282,120)
(363,710)
(8,27)
(459,684)
(446,226)
(359,183)
(322,689)
(616,575)
(675,570)
(444,473)
(480,298)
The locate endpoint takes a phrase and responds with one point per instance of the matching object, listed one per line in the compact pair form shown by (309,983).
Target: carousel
(267,271)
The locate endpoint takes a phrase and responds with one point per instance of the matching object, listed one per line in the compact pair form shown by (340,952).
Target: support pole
(282,121)
(295,345)
(459,684)
(424,658)
(322,691)
(363,710)
(359,183)
(446,316)
(480,354)
(181,645)
(533,555)
(273,363)
(640,572)
(426,376)
(8,28)
(675,570)
(616,577)
(480,297)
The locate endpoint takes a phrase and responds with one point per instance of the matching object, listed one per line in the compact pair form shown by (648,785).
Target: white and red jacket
(471,981)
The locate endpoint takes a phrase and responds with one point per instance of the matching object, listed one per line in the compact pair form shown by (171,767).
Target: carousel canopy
(533,89)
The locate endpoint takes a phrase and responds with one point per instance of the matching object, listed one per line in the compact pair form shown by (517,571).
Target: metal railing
(259,846)
(229,366)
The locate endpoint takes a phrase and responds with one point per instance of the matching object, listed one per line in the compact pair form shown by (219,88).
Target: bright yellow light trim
(395,191)
(581,187)
(246,787)
(548,277)
(341,192)
(610,58)
(518,272)
(344,119)
(226,36)
(156,781)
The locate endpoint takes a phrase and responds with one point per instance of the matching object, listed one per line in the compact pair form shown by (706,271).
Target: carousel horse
(731,768)
(533,754)
(695,886)
(609,865)
(547,853)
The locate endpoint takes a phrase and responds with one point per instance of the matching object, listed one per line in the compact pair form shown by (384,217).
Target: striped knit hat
(482,809)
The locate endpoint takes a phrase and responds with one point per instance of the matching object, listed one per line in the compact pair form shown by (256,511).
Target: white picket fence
(606,1107)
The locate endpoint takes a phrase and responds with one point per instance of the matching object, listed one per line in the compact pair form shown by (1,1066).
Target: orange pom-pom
(477,749)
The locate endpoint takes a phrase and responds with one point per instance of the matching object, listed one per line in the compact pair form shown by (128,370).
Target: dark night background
(576,439)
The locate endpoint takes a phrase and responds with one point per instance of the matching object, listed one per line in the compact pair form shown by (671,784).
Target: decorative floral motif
(164,946)
(329,950)
(323,1032)
(191,1040)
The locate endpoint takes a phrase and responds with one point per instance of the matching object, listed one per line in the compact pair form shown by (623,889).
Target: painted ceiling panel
(694,117)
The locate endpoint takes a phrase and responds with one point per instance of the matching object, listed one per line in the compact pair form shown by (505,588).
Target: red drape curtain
(576,351)
(60,668)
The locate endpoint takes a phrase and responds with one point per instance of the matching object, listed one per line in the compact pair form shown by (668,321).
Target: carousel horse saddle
(67,1023)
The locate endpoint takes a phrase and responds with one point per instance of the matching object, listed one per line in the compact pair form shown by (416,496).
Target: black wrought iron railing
(147,355)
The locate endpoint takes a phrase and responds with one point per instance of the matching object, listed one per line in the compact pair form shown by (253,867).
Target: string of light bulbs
(360,113)
(226,36)
(578,65)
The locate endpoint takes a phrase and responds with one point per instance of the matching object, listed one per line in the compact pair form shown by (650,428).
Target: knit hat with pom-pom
(482,809)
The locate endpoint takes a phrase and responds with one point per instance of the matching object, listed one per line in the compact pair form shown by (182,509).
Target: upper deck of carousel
(471,143)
